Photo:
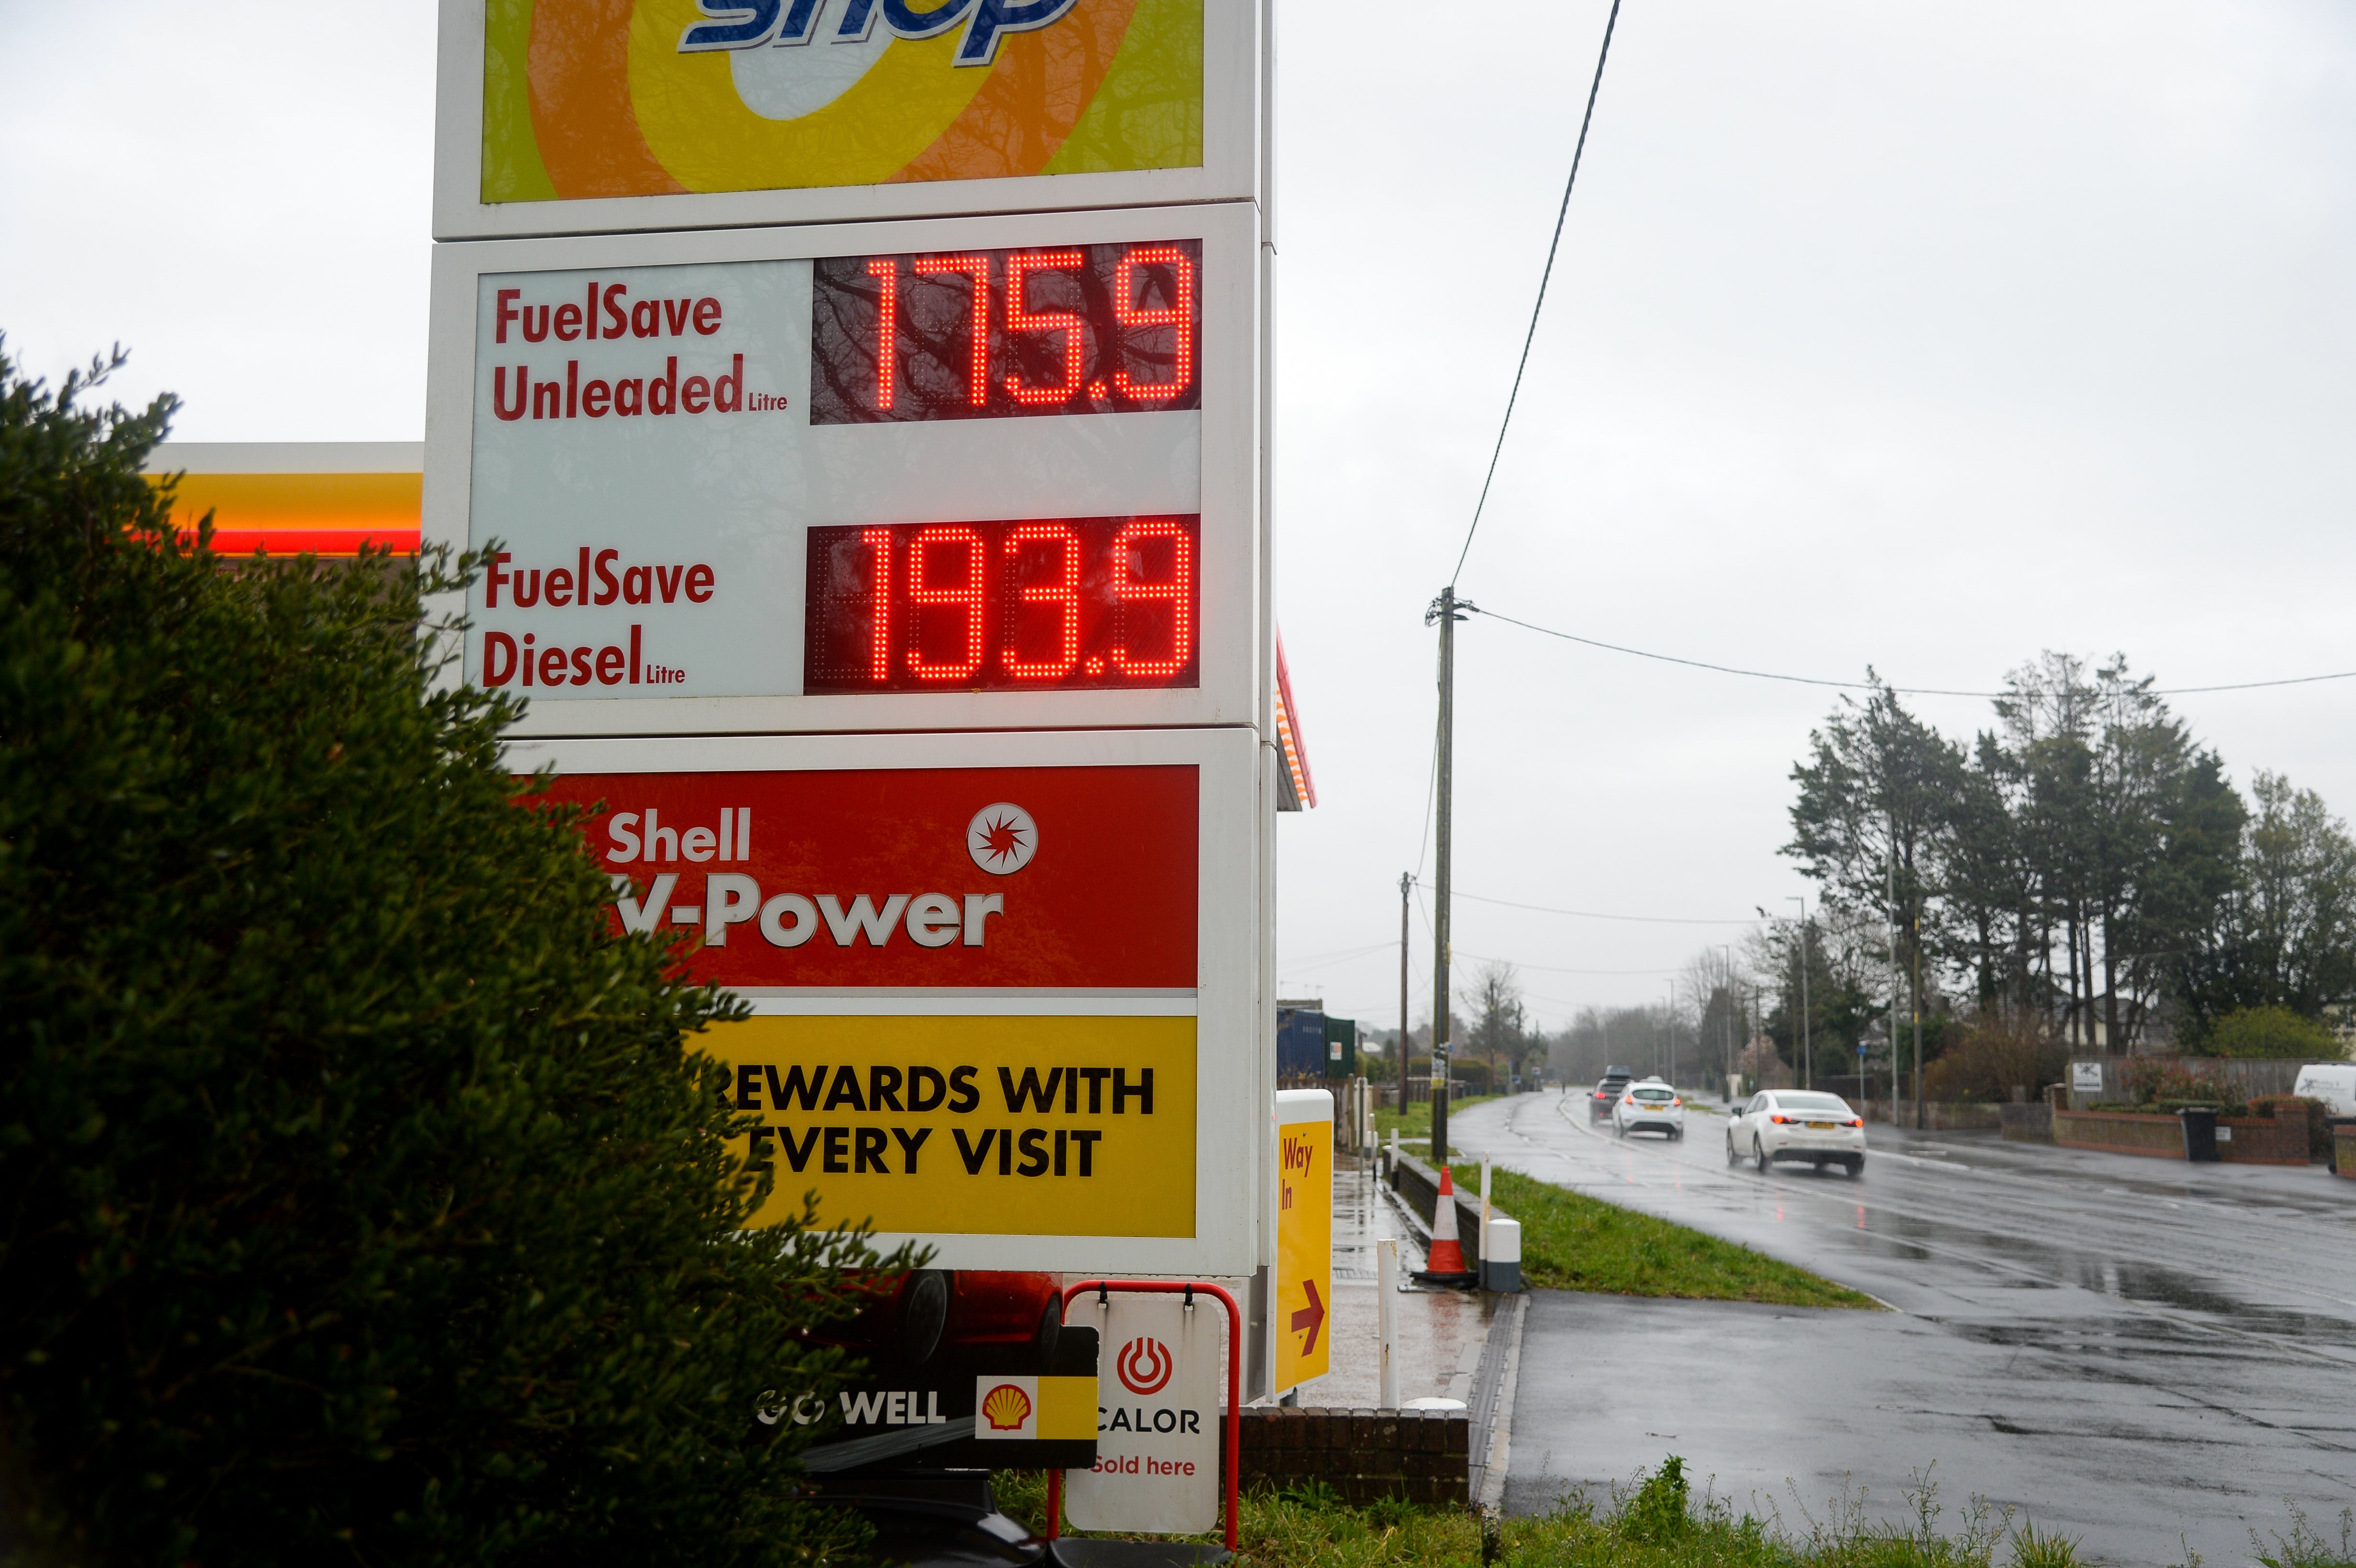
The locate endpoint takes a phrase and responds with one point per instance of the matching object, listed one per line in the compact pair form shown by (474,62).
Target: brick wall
(2120,1132)
(2264,1140)
(2027,1123)
(1421,1455)
(1938,1115)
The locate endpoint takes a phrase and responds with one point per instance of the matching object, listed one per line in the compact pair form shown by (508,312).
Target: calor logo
(787,23)
(1144,1365)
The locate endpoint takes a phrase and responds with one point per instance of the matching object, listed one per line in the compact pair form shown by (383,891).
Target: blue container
(1299,1044)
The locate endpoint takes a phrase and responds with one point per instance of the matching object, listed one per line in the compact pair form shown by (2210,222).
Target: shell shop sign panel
(667,97)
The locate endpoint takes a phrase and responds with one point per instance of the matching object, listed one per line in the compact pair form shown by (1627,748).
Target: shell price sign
(991,1003)
(673,113)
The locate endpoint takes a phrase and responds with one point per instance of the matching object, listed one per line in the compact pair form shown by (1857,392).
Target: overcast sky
(1923,336)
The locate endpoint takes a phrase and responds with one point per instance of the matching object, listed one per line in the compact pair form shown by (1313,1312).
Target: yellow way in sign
(1304,1247)
(1062,1126)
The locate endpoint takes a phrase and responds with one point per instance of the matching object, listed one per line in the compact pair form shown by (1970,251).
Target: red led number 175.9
(1074,329)
(1076,602)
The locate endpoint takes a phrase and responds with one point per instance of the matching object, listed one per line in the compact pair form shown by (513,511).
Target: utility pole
(1406,881)
(1726,1084)
(1802,899)
(1448,609)
(1669,1028)
(1918,1020)
(1758,1017)
(1890,908)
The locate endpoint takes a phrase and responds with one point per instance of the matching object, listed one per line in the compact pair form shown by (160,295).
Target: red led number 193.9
(1064,603)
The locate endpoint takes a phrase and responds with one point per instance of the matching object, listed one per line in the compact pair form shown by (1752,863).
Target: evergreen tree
(361,1197)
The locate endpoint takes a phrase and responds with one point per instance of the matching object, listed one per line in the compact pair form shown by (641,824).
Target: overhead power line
(1552,246)
(1345,955)
(1867,685)
(1591,914)
(1559,969)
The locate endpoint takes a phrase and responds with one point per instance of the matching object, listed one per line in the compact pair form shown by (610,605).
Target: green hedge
(362,1198)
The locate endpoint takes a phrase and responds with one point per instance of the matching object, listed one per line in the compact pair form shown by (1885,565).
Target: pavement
(2153,1356)
(1441,1334)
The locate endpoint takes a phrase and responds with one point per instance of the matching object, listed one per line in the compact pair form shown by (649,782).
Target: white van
(2333,1083)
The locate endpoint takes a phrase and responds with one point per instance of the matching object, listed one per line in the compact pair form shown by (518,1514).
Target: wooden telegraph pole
(1406,881)
(1448,609)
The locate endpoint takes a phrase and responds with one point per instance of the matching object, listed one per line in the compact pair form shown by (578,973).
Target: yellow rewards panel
(658,97)
(1304,1251)
(1038,1126)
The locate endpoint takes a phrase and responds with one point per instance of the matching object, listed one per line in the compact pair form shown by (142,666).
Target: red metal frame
(1235,1380)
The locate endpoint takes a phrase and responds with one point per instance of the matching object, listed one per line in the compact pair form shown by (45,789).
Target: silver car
(1796,1125)
(1650,1106)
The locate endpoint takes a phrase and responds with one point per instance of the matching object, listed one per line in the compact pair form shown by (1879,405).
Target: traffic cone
(1447,1255)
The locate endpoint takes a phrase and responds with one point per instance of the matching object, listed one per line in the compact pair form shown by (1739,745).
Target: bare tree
(1495,998)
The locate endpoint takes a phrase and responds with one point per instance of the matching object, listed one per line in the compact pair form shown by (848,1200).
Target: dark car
(1614,1085)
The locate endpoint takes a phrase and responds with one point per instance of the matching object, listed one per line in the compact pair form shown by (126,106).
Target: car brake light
(1856,1122)
(1675,1103)
(1779,1116)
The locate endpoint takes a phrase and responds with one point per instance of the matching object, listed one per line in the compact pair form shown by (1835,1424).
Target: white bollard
(1484,1213)
(1501,1269)
(1386,1318)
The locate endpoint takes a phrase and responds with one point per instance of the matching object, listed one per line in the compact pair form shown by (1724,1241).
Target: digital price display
(1072,329)
(1072,603)
(675,456)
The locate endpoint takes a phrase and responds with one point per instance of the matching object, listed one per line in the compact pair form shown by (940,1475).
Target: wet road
(2146,1354)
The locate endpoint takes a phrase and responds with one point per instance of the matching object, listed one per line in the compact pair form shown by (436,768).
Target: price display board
(968,474)
(1002,1003)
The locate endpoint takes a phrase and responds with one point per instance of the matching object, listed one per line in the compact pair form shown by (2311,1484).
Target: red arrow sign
(1312,1316)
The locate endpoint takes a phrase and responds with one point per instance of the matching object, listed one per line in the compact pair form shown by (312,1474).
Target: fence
(1419,1091)
(2252,1077)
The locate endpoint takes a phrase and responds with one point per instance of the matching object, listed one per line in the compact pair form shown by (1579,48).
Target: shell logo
(1006,1407)
(662,97)
(1144,1365)
(1001,839)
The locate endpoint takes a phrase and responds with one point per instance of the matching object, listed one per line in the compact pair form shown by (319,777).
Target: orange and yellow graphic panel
(296,514)
(612,97)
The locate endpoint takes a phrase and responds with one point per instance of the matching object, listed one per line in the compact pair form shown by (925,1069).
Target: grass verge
(1654,1522)
(1570,1242)
(1415,1122)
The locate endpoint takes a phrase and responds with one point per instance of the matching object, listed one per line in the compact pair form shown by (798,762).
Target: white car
(1796,1125)
(1649,1106)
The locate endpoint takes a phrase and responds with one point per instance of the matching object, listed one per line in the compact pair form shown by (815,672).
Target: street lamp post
(1806,1076)
(1726,1084)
